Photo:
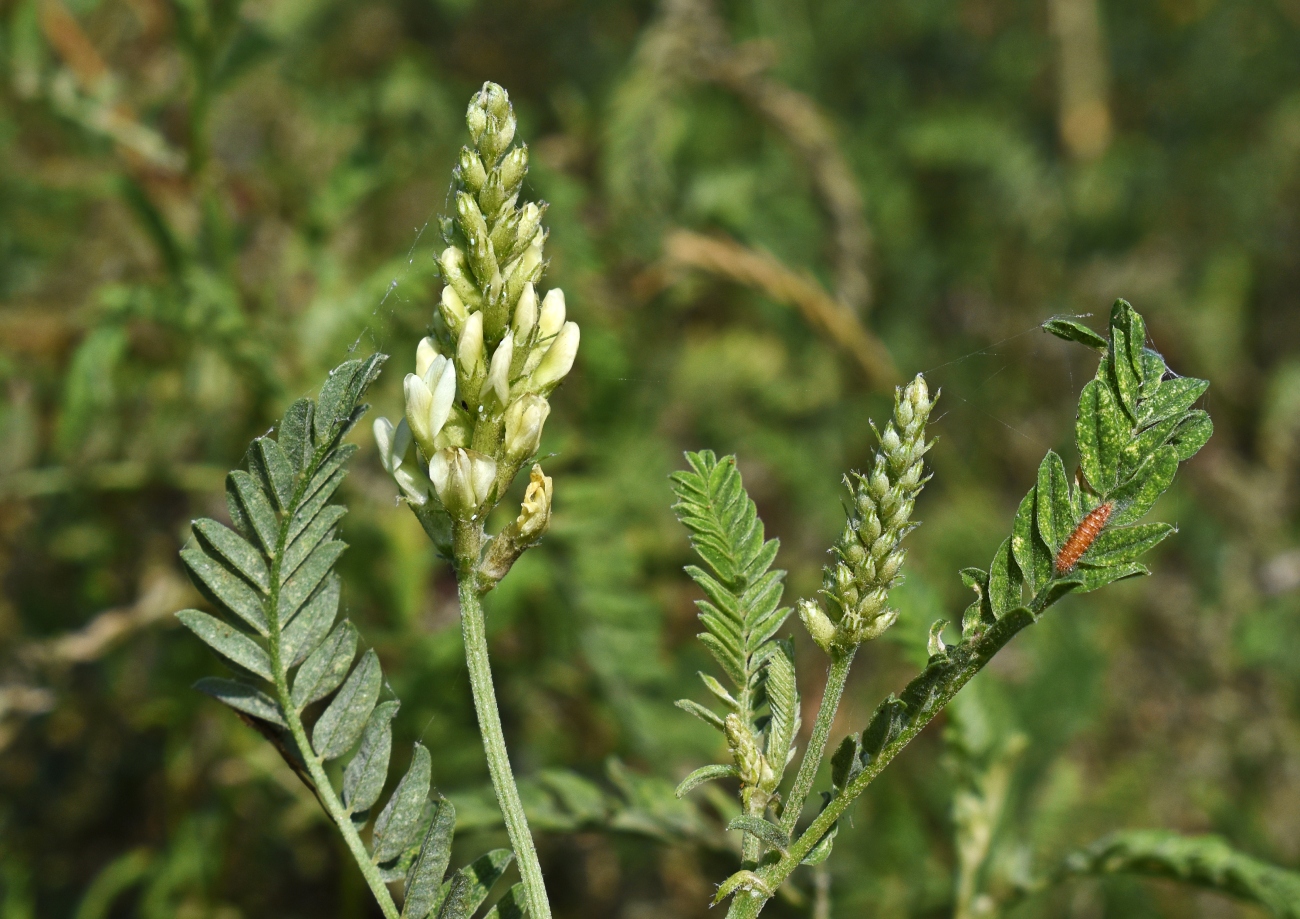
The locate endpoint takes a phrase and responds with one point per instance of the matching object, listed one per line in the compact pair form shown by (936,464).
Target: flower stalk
(476,406)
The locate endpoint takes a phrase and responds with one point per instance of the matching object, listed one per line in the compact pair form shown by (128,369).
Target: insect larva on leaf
(1083,536)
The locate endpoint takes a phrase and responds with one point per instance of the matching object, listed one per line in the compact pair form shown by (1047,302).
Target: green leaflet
(1083,580)
(275,469)
(1125,325)
(1206,861)
(1052,509)
(1070,330)
(1137,496)
(424,882)
(225,588)
(1004,582)
(692,707)
(312,623)
(1172,400)
(981,611)
(326,667)
(228,642)
(340,725)
(469,886)
(295,591)
(364,777)
(320,529)
(1192,433)
(295,435)
(512,906)
(399,822)
(1101,430)
(220,540)
(242,697)
(783,699)
(846,762)
(705,774)
(1027,546)
(249,503)
(1125,544)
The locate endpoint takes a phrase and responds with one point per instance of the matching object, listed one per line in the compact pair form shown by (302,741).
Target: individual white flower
(559,358)
(469,350)
(498,377)
(425,352)
(551,319)
(524,420)
(429,399)
(462,479)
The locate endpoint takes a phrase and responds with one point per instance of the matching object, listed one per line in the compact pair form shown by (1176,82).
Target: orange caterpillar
(1083,536)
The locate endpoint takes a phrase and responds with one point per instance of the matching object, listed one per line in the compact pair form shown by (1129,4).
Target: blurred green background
(205,204)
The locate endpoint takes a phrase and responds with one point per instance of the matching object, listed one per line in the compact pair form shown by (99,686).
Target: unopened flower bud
(453,309)
(872,603)
(453,265)
(530,220)
(551,319)
(471,218)
(462,479)
(890,442)
(744,749)
(535,513)
(817,623)
(513,168)
(469,350)
(523,430)
(525,314)
(889,569)
(557,363)
(472,172)
(425,352)
(878,484)
(877,626)
(498,377)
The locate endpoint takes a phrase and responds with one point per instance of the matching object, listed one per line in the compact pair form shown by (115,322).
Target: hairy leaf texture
(271,573)
(742,611)
(1206,861)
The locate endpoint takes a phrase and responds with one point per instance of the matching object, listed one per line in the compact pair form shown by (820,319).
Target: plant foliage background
(205,205)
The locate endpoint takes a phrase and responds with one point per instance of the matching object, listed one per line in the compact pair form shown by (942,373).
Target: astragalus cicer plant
(1072,534)
(475,406)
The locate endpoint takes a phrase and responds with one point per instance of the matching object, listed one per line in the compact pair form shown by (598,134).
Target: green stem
(925,697)
(474,630)
(841,661)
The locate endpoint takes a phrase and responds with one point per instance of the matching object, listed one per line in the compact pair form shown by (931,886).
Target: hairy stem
(841,661)
(474,631)
(925,696)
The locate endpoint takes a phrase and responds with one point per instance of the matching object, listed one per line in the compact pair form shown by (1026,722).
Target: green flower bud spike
(868,557)
(477,402)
